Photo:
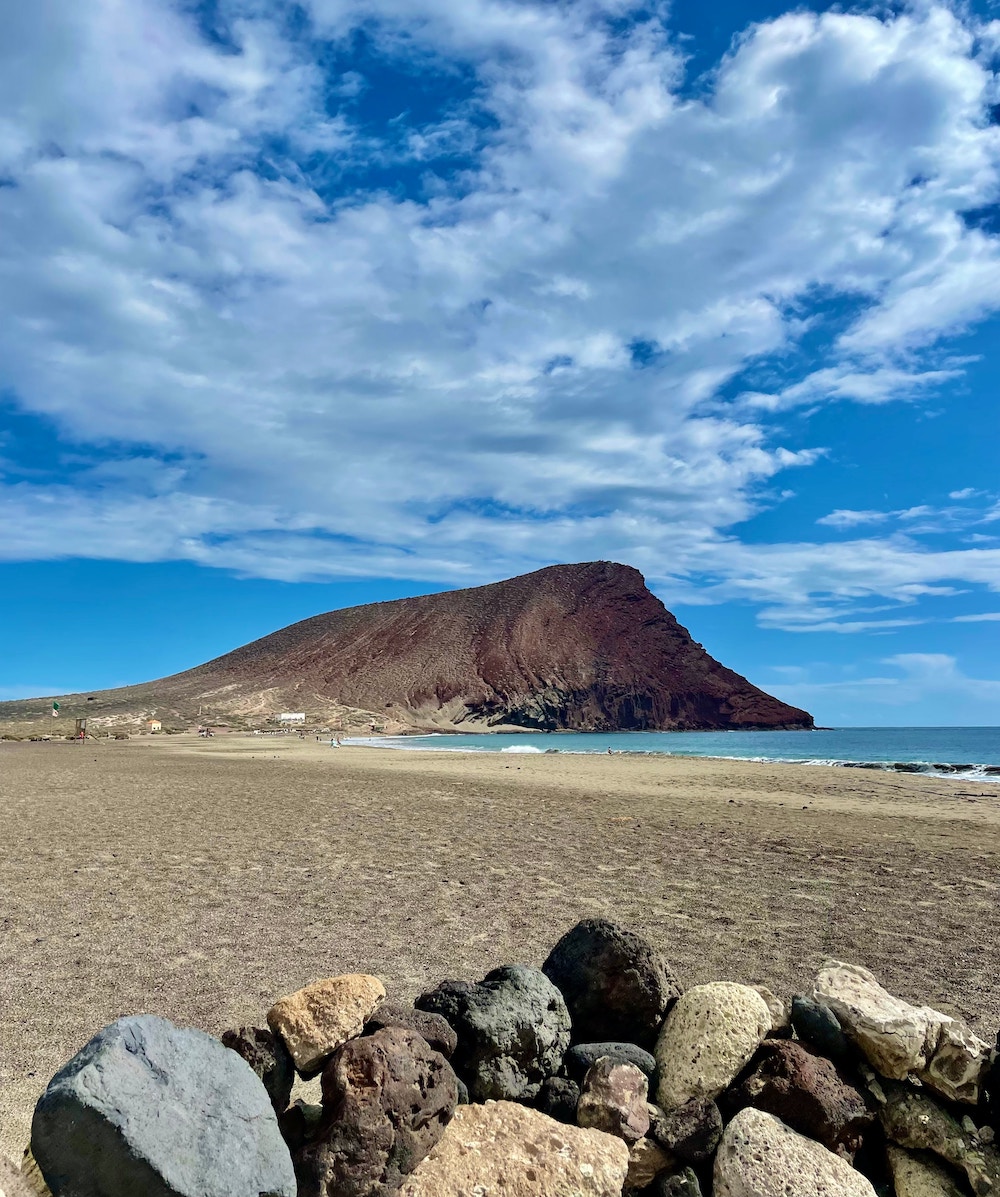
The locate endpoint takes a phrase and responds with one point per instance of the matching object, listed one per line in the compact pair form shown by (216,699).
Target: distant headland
(568,648)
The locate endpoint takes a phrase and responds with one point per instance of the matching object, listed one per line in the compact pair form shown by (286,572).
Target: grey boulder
(617,985)
(513,1030)
(153,1109)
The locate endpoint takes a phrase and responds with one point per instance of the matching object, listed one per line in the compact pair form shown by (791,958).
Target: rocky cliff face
(572,647)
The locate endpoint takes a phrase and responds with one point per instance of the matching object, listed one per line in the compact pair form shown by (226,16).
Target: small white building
(153,725)
(292,717)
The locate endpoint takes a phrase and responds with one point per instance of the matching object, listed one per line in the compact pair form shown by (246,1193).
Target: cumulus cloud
(521,356)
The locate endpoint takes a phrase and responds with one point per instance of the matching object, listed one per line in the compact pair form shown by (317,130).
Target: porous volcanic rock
(761,1157)
(559,1097)
(512,1028)
(691,1132)
(387,1098)
(617,986)
(574,647)
(707,1039)
(147,1107)
(806,1092)
(502,1147)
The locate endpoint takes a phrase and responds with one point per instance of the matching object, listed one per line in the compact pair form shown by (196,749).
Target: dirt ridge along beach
(200,880)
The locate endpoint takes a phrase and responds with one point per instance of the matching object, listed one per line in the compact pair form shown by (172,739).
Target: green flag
(55,706)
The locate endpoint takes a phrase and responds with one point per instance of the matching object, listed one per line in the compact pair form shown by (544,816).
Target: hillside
(571,647)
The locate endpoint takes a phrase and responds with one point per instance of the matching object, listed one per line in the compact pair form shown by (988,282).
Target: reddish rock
(579,647)
(387,1098)
(806,1092)
(614,1100)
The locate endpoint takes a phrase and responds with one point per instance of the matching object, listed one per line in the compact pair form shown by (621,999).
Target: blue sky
(305,305)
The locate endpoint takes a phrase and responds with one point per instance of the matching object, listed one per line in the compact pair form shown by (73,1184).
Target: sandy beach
(201,880)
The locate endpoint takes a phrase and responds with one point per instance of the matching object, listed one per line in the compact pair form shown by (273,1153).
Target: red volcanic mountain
(571,647)
(581,647)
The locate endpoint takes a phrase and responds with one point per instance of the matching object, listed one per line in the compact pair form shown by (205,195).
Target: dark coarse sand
(202,880)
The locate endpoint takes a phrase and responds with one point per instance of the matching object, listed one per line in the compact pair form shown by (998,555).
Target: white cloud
(845,518)
(986,617)
(927,681)
(444,386)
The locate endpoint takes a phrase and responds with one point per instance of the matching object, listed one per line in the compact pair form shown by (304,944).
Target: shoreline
(986,774)
(201,880)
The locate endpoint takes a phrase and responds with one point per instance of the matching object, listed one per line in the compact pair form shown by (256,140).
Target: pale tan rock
(315,1021)
(760,1156)
(900,1040)
(24,1182)
(920,1175)
(12,1183)
(646,1161)
(779,1009)
(502,1149)
(707,1038)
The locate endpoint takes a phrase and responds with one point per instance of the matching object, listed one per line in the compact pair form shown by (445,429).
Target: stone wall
(596,1075)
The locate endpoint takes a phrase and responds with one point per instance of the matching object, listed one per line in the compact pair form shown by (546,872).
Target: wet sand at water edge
(201,880)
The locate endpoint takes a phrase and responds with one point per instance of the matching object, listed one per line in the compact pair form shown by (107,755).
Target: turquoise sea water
(969,752)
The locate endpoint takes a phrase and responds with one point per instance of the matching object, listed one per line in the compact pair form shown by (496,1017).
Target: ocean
(965,752)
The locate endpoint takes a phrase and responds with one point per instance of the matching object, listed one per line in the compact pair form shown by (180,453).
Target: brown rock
(435,1028)
(387,1098)
(647,1160)
(267,1055)
(613,1100)
(505,1148)
(318,1019)
(806,1092)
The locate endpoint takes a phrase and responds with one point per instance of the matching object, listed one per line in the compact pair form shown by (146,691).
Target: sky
(310,304)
